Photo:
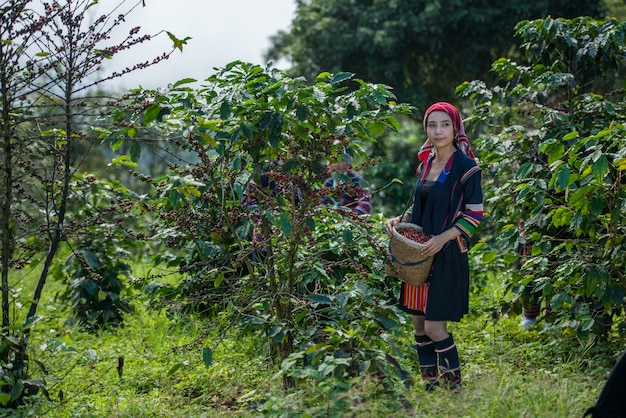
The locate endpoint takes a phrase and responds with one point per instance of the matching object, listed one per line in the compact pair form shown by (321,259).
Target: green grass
(507,372)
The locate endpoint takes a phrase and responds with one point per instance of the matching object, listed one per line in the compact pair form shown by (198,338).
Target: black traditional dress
(437,206)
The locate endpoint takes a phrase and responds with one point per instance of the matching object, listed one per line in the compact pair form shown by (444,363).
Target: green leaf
(91,259)
(277,333)
(618,295)
(123,160)
(338,78)
(561,176)
(286,224)
(174,198)
(326,368)
(300,316)
(347,236)
(387,323)
(184,81)
(17,390)
(207,356)
(578,199)
(571,135)
(151,113)
(597,206)
(116,144)
(376,129)
(599,290)
(556,153)
(560,299)
(225,110)
(91,288)
(587,324)
(235,164)
(174,369)
(301,113)
(288,165)
(135,151)
(524,170)
(600,168)
(30,321)
(489,256)
(322,299)
(589,282)
(218,280)
(562,217)
(323,76)
(292,360)
(248,130)
(5,398)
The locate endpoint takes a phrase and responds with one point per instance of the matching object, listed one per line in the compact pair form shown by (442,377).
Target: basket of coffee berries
(407,262)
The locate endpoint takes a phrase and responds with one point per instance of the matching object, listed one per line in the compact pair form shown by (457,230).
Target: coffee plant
(553,143)
(245,215)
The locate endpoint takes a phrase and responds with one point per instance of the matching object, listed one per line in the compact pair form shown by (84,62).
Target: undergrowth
(153,366)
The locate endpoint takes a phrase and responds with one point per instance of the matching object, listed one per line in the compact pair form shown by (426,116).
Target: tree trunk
(6,229)
(57,234)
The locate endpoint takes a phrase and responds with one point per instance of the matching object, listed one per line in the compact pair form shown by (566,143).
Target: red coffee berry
(414,235)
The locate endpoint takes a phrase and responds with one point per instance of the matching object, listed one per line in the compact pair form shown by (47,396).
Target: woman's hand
(433,245)
(390,224)
(436,243)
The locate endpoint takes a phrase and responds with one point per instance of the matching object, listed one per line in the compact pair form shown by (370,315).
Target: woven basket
(407,262)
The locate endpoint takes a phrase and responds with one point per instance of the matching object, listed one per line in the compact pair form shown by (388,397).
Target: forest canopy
(424,49)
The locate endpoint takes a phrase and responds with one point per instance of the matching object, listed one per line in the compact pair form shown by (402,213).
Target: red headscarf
(460,139)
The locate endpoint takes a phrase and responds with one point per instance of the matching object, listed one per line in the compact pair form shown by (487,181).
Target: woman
(448,206)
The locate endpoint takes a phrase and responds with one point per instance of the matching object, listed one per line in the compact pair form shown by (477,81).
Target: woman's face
(440,129)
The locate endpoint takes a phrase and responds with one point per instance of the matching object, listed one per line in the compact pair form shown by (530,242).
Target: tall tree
(50,55)
(422,48)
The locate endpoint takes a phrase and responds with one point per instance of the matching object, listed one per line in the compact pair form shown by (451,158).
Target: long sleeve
(472,210)
(364,205)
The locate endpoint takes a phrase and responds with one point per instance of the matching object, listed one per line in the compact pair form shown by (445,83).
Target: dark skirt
(448,290)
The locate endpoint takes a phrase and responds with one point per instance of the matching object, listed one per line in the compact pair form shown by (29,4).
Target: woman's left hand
(434,245)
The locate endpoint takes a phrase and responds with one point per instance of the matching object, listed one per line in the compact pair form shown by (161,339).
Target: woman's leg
(449,363)
(426,354)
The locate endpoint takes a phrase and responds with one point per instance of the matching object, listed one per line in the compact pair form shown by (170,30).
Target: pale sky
(222,31)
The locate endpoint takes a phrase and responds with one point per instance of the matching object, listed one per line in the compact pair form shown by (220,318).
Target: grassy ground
(507,372)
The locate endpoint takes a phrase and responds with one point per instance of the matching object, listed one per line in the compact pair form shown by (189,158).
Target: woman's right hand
(390,224)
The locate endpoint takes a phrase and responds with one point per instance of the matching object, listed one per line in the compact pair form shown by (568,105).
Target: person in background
(354,195)
(530,301)
(531,306)
(251,196)
(448,205)
(262,194)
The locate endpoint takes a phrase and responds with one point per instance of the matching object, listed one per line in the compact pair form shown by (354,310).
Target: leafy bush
(260,142)
(98,270)
(17,384)
(553,143)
